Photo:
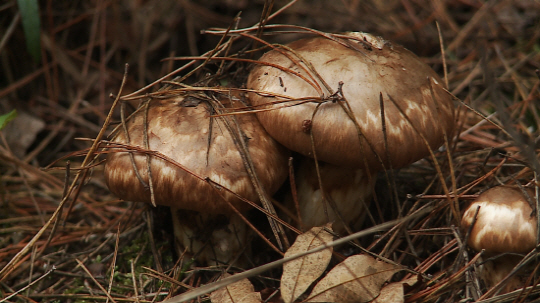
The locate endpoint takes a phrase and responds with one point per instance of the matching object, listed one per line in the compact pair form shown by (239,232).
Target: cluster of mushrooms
(346,106)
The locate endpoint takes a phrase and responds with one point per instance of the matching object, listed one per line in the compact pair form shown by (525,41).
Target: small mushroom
(194,160)
(504,225)
(325,98)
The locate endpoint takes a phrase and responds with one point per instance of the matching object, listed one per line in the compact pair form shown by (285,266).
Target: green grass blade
(5,118)
(30,20)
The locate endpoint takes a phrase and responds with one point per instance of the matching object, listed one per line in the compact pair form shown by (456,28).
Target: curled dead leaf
(300,273)
(238,292)
(357,279)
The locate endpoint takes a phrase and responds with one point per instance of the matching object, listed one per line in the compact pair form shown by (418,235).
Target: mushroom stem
(214,239)
(342,198)
(496,269)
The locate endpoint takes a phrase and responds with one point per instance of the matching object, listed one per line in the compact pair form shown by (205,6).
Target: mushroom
(197,169)
(325,97)
(504,225)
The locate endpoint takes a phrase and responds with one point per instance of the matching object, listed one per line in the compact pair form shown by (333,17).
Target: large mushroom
(504,225)
(175,152)
(355,101)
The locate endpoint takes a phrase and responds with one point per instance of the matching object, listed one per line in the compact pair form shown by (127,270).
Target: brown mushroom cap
(182,133)
(367,67)
(505,221)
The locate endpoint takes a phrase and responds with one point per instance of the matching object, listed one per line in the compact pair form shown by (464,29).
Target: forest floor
(66,238)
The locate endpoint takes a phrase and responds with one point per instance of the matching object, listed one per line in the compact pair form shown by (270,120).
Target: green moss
(77,287)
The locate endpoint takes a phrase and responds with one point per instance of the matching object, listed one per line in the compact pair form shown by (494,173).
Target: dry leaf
(21,132)
(300,273)
(357,279)
(394,292)
(238,292)
(391,293)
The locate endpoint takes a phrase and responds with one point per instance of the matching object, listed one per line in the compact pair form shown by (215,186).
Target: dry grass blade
(94,280)
(240,142)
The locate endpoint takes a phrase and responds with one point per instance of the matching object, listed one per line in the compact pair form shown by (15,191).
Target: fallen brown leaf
(238,292)
(391,293)
(357,279)
(394,292)
(300,273)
